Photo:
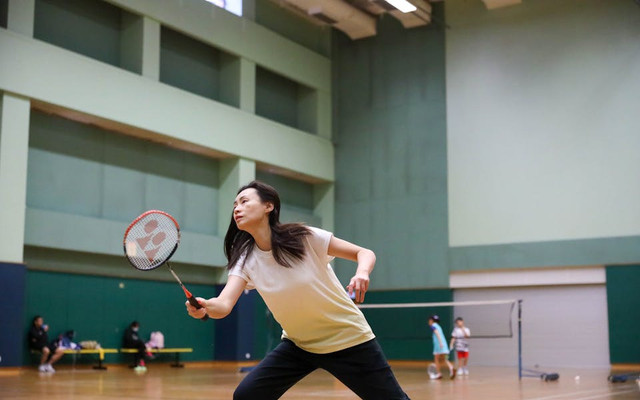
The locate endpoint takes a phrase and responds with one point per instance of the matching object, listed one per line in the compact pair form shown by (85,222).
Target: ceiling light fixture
(402,5)
(219,3)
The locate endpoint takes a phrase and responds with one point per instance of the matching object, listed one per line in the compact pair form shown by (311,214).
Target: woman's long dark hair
(286,239)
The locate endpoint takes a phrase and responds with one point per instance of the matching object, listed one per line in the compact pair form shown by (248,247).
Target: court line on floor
(561,395)
(610,394)
(605,392)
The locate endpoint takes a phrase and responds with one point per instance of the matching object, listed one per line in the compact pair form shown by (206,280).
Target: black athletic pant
(137,344)
(362,368)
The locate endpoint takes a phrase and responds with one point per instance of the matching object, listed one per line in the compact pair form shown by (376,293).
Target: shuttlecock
(577,378)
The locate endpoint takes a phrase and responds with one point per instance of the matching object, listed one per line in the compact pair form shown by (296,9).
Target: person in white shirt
(288,264)
(460,335)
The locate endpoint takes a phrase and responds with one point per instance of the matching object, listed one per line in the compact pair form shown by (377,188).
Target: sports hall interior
(489,153)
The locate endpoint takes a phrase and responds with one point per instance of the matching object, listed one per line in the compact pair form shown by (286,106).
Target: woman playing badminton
(322,327)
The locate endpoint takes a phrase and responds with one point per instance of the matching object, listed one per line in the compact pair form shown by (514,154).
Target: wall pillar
(12,300)
(140,45)
(323,118)
(20,16)
(238,82)
(247,85)
(233,174)
(324,204)
(14,150)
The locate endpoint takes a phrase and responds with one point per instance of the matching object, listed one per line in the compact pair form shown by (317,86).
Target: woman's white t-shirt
(307,300)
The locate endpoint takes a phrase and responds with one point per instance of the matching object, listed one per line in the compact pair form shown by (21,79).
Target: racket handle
(192,300)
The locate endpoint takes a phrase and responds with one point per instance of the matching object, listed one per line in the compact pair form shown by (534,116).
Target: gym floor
(214,381)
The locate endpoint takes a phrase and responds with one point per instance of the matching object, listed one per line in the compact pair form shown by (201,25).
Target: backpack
(156,341)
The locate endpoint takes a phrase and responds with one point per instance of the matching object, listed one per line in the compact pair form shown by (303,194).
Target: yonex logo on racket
(151,239)
(156,239)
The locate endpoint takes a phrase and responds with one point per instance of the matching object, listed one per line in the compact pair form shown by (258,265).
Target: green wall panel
(88,27)
(100,308)
(189,64)
(80,169)
(390,133)
(546,254)
(623,301)
(276,97)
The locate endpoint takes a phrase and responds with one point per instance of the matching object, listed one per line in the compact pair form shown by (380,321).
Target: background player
(459,337)
(440,349)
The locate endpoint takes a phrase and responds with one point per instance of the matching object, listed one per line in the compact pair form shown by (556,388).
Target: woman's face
(38,322)
(249,211)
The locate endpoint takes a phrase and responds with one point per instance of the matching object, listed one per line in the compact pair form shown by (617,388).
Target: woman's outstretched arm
(365,258)
(219,307)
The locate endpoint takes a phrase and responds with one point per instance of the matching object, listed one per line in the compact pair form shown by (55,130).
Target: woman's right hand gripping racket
(150,241)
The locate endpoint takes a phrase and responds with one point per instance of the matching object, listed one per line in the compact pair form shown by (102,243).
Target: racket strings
(151,240)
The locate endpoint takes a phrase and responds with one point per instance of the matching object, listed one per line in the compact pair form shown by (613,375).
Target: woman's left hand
(359,284)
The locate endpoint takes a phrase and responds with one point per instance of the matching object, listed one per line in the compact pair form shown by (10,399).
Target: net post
(520,339)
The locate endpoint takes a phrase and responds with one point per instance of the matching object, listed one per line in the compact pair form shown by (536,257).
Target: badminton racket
(150,241)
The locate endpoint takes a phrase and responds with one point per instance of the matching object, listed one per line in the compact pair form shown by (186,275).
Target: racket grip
(192,300)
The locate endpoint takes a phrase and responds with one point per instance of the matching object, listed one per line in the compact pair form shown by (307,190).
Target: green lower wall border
(100,308)
(617,250)
(623,302)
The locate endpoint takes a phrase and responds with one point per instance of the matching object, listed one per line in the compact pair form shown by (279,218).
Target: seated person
(131,340)
(38,340)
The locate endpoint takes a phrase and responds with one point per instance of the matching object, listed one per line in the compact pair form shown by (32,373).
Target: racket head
(151,239)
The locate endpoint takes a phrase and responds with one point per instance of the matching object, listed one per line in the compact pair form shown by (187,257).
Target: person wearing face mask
(131,340)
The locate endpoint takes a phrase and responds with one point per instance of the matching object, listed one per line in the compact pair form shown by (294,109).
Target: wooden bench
(176,363)
(74,354)
(99,352)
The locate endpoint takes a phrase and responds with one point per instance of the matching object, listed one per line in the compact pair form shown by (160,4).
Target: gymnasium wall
(85,184)
(100,308)
(390,141)
(84,170)
(541,105)
(145,105)
(623,304)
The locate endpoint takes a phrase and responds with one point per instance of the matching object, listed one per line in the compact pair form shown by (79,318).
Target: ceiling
(357,18)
